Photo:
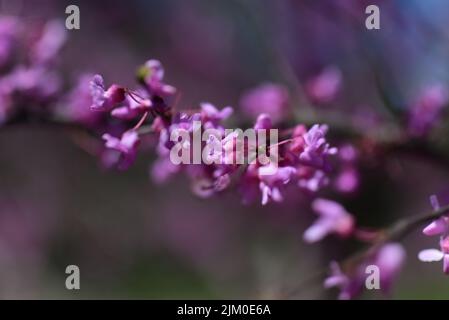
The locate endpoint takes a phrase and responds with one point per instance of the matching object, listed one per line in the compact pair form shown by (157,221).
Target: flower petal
(430,255)
(438,226)
(317,231)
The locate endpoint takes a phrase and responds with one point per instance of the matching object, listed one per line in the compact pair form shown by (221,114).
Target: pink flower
(325,86)
(389,259)
(105,100)
(350,287)
(316,148)
(76,105)
(438,226)
(312,180)
(126,146)
(348,177)
(35,82)
(210,114)
(152,74)
(333,219)
(268,98)
(163,169)
(263,122)
(53,38)
(270,184)
(426,111)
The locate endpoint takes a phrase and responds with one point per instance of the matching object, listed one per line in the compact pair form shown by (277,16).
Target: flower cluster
(29,83)
(439,227)
(333,218)
(303,153)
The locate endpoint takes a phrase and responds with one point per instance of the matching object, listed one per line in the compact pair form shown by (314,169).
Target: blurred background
(132,238)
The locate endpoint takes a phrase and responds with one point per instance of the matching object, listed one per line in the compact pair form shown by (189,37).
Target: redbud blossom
(333,218)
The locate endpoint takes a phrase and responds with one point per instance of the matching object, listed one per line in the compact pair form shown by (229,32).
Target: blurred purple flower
(347,179)
(316,149)
(152,74)
(350,287)
(426,111)
(126,146)
(76,105)
(312,180)
(333,219)
(439,226)
(163,169)
(263,122)
(211,116)
(389,259)
(53,38)
(268,98)
(324,87)
(36,83)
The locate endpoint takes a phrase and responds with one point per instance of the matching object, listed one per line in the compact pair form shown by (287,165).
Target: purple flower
(152,74)
(105,100)
(205,186)
(126,146)
(316,149)
(425,112)
(50,43)
(333,219)
(389,259)
(439,226)
(347,180)
(163,169)
(263,122)
(211,116)
(350,287)
(312,180)
(37,82)
(271,180)
(268,98)
(132,107)
(324,87)
(76,105)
